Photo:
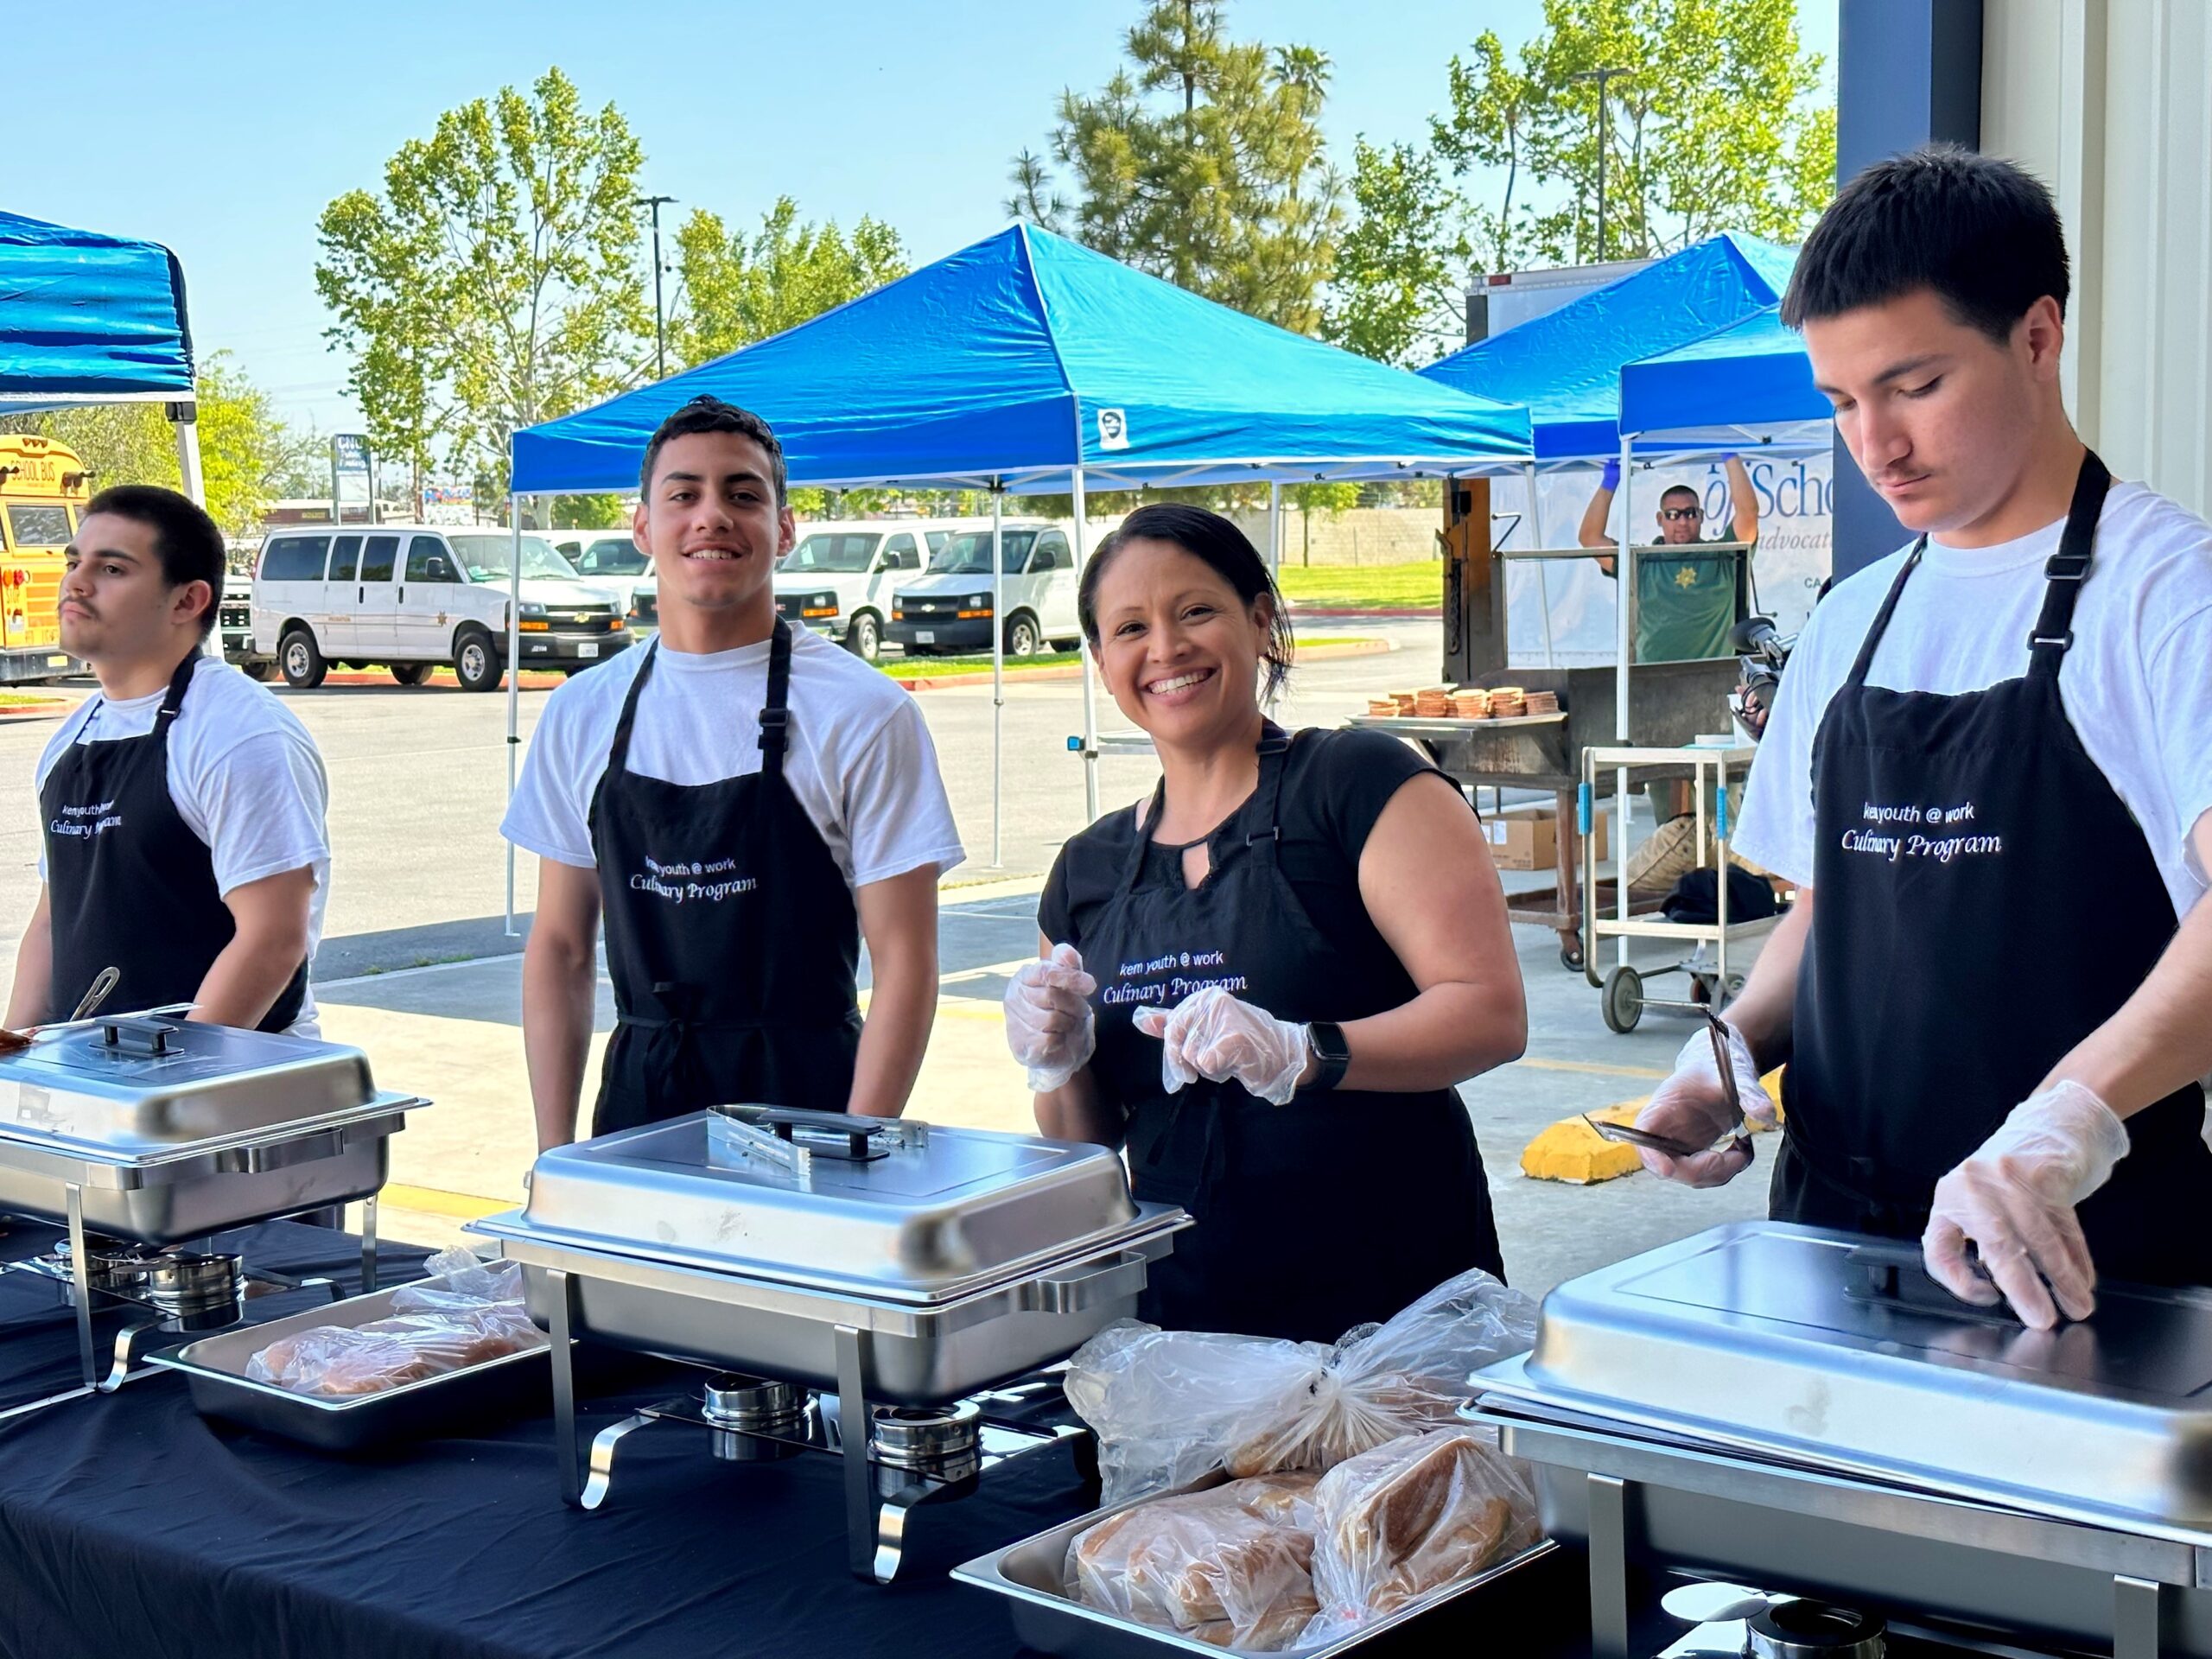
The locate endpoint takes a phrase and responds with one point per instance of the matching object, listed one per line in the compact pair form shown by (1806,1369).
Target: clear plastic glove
(2013,1201)
(1691,1106)
(1049,1024)
(1212,1035)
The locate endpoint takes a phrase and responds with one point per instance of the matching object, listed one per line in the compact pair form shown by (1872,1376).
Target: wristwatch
(1326,1040)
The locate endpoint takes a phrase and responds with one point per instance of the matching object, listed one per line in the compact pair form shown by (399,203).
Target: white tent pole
(185,423)
(1543,582)
(1274,527)
(998,675)
(1625,569)
(1089,677)
(514,680)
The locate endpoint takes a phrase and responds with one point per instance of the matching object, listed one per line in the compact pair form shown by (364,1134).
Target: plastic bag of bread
(1169,1406)
(1229,1566)
(457,1281)
(1410,1517)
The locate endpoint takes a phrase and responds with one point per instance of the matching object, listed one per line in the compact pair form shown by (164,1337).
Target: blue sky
(222,128)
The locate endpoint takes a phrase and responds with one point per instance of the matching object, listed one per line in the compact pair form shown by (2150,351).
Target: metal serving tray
(1499,1603)
(917,1224)
(169,1131)
(1830,1351)
(214,1368)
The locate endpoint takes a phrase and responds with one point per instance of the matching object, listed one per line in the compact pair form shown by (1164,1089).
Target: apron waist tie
(1905,1220)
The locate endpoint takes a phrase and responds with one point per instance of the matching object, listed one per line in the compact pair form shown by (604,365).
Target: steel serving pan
(1499,1606)
(922,1219)
(1828,1351)
(510,1386)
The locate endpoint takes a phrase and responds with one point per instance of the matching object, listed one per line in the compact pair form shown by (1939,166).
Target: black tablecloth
(131,1525)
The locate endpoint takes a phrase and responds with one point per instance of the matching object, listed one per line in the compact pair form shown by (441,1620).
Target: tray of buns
(1243,1567)
(383,1391)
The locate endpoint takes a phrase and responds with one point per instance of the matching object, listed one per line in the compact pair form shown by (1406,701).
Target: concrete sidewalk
(452,1030)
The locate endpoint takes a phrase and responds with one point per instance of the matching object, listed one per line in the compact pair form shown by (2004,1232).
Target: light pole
(660,327)
(1604,131)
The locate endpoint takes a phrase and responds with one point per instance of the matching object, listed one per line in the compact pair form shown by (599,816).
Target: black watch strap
(1326,1040)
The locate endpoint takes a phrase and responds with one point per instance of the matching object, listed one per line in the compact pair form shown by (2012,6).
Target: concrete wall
(2107,101)
(1356,535)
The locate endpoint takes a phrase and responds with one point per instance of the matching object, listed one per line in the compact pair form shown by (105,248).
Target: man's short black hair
(185,539)
(705,414)
(1679,489)
(1979,231)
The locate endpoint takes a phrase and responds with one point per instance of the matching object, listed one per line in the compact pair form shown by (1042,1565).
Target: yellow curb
(429,1200)
(1571,1150)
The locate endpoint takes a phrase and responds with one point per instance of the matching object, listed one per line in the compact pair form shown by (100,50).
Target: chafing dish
(1805,1410)
(1505,1600)
(883,1262)
(152,1130)
(214,1368)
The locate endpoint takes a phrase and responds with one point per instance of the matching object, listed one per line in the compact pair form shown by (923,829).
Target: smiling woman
(1297,944)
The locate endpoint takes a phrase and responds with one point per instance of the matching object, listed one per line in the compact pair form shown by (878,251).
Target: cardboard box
(1526,838)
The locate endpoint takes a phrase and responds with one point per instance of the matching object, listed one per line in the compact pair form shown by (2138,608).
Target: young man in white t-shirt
(182,807)
(742,802)
(1989,774)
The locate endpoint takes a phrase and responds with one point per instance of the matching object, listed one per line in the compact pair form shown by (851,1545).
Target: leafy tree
(496,280)
(1199,161)
(246,454)
(733,289)
(1709,128)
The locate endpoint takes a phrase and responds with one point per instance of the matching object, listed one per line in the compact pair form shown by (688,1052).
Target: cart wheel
(1734,988)
(1570,955)
(1621,1002)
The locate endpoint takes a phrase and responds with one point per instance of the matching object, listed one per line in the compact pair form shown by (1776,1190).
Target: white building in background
(2110,102)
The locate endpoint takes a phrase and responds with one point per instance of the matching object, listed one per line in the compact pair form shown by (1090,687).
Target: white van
(839,576)
(413,596)
(609,563)
(950,609)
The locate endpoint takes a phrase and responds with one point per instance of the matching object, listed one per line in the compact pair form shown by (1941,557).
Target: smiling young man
(181,806)
(1990,773)
(742,804)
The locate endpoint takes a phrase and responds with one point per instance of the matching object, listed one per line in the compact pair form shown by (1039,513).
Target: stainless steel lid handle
(128,1034)
(1896,1275)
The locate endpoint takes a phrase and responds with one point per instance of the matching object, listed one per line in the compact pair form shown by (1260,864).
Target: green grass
(1366,586)
(936,668)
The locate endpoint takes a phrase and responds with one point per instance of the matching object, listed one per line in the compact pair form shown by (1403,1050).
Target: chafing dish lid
(102,1090)
(1795,1341)
(915,1222)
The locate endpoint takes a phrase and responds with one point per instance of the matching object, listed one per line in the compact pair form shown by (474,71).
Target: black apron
(731,934)
(1983,900)
(128,885)
(1338,1208)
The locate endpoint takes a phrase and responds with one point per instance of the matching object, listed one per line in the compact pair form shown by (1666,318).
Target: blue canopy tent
(1565,366)
(92,319)
(1025,364)
(1750,382)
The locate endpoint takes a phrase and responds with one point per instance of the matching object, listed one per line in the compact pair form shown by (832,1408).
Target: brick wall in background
(1356,535)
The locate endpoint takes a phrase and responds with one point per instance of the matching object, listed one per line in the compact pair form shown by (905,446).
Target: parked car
(837,577)
(412,596)
(611,564)
(952,608)
(234,626)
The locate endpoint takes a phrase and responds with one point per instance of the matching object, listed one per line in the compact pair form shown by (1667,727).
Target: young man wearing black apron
(181,805)
(1990,773)
(742,802)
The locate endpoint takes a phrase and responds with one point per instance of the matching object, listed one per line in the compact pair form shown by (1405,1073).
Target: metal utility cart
(1672,703)
(1711,982)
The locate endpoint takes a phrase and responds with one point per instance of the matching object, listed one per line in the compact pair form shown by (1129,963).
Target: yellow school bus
(43,486)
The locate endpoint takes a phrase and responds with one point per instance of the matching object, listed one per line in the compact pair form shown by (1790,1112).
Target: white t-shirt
(2137,683)
(860,760)
(245,775)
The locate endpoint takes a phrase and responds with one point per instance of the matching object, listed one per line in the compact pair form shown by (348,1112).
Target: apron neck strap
(2066,569)
(1273,744)
(180,682)
(618,753)
(1880,625)
(775,716)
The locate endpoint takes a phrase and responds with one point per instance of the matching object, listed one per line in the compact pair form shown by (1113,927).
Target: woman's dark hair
(1977,230)
(1216,543)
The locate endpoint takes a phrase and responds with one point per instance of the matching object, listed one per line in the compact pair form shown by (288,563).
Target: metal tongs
(103,986)
(1628,1134)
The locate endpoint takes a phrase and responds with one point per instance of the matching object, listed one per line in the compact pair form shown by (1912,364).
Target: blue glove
(1611,479)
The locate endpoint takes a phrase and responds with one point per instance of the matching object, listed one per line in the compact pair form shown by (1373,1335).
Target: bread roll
(1231,1566)
(1413,1515)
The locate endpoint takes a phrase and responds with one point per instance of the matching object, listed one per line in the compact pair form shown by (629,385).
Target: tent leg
(998,679)
(1543,581)
(514,682)
(1275,526)
(1625,569)
(1089,675)
(184,422)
